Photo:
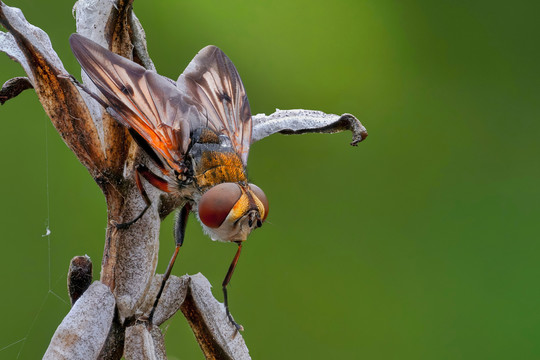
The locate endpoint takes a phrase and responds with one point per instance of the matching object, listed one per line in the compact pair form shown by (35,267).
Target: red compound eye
(216,204)
(262,197)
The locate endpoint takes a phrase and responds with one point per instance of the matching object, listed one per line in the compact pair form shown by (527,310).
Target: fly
(197,132)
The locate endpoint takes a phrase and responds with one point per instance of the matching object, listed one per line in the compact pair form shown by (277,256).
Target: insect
(197,131)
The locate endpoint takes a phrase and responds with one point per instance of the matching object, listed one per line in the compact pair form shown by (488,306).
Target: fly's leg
(156,181)
(224,286)
(179,233)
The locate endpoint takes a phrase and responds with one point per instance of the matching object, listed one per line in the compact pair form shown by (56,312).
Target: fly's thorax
(215,166)
(214,160)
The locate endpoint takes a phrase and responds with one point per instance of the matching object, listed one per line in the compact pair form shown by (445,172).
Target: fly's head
(230,211)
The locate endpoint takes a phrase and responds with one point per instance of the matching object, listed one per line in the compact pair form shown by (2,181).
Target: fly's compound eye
(217,203)
(262,198)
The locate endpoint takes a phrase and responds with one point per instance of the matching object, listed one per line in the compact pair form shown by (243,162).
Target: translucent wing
(212,81)
(141,99)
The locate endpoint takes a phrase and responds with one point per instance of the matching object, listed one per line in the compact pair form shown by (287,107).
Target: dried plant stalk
(105,319)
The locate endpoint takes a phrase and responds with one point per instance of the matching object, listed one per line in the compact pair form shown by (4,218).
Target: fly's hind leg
(156,181)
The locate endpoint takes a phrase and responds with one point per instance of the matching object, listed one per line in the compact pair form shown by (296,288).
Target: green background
(422,243)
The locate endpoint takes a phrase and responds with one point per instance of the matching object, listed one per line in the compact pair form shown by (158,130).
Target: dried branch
(14,87)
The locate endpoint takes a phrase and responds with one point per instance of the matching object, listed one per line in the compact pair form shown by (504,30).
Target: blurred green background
(422,243)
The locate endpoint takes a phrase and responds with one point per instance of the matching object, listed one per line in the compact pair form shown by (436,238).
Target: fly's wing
(140,99)
(212,81)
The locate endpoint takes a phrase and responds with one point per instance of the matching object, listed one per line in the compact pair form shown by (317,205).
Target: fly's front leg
(224,287)
(156,181)
(179,234)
